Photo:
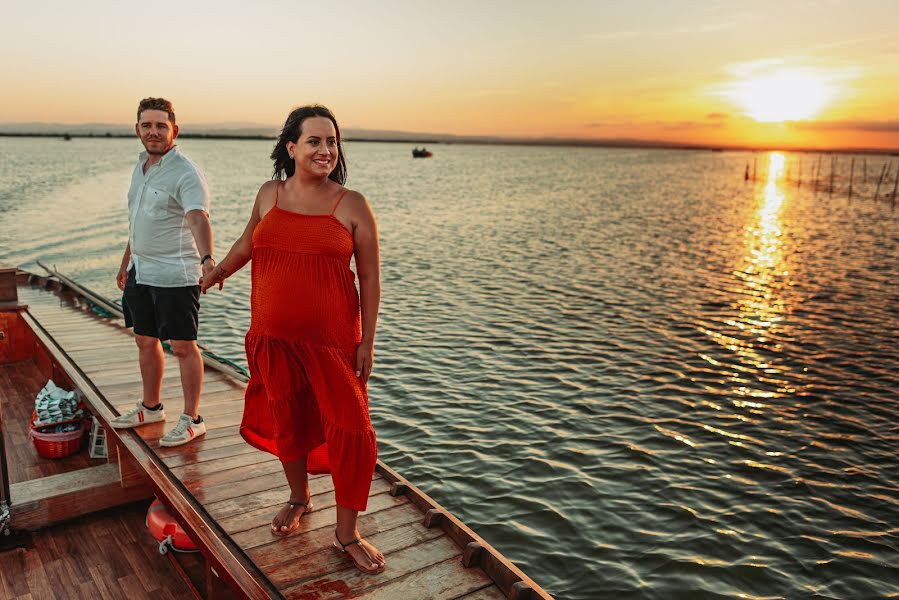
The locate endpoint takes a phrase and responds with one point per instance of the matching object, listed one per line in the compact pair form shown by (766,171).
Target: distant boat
(416,153)
(67,137)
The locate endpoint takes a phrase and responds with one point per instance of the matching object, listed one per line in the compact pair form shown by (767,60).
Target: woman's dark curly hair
(284,165)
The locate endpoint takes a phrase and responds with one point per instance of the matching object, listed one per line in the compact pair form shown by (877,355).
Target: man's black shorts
(164,313)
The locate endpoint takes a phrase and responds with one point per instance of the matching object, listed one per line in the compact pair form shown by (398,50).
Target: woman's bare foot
(366,557)
(288,518)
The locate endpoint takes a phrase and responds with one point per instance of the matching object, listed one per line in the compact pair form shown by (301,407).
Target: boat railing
(101,303)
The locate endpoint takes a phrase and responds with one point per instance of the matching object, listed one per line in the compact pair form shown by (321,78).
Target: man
(169,248)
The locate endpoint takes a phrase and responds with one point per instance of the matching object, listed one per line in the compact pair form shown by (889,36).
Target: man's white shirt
(163,250)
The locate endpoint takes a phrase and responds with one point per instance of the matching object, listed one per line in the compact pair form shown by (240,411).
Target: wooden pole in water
(833,168)
(746,172)
(755,160)
(879,181)
(851,176)
(895,184)
(817,170)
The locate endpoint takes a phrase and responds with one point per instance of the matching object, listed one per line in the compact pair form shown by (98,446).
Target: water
(631,371)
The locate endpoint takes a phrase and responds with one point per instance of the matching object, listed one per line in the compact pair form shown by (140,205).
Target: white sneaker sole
(138,424)
(180,442)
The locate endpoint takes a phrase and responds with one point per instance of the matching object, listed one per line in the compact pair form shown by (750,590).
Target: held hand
(122,277)
(365,357)
(211,275)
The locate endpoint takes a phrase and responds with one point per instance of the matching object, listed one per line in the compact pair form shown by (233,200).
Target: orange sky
(818,73)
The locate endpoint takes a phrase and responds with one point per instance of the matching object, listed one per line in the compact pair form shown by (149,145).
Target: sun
(782,95)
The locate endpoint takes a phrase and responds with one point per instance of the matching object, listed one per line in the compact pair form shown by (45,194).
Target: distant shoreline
(632,144)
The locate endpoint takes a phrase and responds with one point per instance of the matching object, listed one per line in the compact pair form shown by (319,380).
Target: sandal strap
(305,504)
(343,546)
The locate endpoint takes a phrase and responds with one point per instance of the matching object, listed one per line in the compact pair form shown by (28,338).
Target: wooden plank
(216,438)
(489,593)
(16,340)
(352,581)
(73,481)
(8,288)
(233,565)
(56,498)
(206,490)
(190,473)
(217,409)
(254,531)
(199,454)
(321,558)
(169,390)
(171,376)
(244,503)
(443,581)
(130,471)
(74,553)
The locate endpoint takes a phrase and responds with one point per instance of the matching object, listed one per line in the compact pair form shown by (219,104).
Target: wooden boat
(220,490)
(422,153)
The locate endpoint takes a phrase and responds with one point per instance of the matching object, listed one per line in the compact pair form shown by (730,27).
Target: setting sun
(782,95)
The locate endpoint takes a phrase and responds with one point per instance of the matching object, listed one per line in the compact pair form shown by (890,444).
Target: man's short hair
(156,104)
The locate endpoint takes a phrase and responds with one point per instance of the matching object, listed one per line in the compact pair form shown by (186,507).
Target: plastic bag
(54,404)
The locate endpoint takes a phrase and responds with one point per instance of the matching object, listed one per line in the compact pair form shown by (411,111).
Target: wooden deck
(225,492)
(19,383)
(106,555)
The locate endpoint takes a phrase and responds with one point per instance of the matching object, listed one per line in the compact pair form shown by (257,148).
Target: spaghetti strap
(277,189)
(336,204)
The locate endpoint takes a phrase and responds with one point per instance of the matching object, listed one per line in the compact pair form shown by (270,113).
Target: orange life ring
(166,530)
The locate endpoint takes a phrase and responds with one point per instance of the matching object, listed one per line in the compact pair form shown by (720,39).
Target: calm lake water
(634,373)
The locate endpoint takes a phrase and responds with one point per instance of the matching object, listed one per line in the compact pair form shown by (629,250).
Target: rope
(230,363)
(99,310)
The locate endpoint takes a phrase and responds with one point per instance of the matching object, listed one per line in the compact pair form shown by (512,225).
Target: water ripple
(635,374)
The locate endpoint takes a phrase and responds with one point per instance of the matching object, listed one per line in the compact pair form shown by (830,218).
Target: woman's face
(316,150)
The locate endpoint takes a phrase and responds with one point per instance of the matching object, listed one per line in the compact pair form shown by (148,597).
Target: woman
(309,352)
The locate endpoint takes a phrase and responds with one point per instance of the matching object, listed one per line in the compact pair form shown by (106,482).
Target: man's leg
(152,367)
(139,314)
(191,364)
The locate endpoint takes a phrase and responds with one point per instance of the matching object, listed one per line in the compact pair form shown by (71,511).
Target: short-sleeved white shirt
(163,250)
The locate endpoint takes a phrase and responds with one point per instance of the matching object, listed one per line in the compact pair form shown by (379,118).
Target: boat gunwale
(508,577)
(226,558)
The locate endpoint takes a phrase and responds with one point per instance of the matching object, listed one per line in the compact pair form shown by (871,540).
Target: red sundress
(304,398)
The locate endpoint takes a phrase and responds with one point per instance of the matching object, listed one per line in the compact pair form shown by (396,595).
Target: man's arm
(122,277)
(198,221)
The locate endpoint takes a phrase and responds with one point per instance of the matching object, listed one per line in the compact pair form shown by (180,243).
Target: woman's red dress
(304,398)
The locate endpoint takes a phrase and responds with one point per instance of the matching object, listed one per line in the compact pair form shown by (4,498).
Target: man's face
(155,131)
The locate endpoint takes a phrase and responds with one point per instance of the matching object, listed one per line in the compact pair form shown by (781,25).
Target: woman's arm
(368,268)
(242,249)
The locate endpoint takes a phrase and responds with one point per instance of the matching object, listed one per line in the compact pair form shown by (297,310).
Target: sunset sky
(819,73)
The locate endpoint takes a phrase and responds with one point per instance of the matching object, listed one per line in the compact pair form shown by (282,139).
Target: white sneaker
(139,415)
(184,431)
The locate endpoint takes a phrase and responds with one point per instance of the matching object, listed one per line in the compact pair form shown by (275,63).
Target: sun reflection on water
(753,334)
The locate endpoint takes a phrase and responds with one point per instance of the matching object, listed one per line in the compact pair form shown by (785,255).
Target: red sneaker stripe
(140,416)
(190,431)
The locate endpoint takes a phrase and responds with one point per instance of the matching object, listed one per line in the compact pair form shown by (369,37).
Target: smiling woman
(782,95)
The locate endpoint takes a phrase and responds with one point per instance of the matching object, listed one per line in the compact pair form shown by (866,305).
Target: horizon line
(500,141)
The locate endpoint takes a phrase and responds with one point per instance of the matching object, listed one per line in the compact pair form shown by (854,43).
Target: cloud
(850,125)
(717,116)
(669,125)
